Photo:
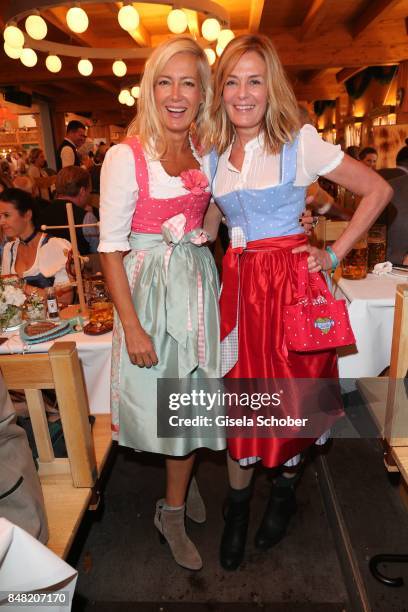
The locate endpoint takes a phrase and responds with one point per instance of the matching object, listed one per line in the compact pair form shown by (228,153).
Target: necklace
(31,237)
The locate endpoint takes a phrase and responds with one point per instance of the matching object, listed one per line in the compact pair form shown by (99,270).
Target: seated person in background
(36,257)
(36,171)
(323,203)
(401,165)
(369,157)
(353,151)
(73,185)
(25,183)
(5,182)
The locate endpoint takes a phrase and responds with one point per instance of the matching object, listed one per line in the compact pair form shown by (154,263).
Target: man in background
(67,152)
(73,185)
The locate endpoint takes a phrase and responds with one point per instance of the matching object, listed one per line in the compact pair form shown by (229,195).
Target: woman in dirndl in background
(165,290)
(260,167)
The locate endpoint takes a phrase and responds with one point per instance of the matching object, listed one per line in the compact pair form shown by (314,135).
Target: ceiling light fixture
(128,18)
(211,55)
(77,20)
(119,68)
(210,29)
(36,27)
(85,67)
(13,36)
(53,63)
(177,21)
(28,57)
(13,52)
(135,91)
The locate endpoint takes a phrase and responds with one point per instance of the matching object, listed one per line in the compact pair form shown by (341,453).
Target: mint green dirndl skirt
(175,290)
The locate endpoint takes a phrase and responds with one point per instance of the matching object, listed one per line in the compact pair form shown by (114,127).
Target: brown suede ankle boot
(170,524)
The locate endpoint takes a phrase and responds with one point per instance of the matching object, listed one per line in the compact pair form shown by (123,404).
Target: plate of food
(97,328)
(42,331)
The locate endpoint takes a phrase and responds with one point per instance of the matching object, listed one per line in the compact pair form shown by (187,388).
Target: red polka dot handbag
(316,321)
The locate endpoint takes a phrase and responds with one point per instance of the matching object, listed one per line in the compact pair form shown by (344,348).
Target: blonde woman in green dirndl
(160,273)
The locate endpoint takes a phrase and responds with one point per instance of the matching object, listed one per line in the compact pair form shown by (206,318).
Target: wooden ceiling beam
(255,15)
(307,76)
(29,76)
(100,102)
(347,73)
(375,11)
(315,16)
(106,86)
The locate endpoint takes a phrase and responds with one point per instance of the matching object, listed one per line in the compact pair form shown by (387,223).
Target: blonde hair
(147,124)
(281,119)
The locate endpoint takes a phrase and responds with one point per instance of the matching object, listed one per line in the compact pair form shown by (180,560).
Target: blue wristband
(334,259)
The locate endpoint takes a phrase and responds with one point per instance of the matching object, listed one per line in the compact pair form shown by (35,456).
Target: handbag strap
(311,280)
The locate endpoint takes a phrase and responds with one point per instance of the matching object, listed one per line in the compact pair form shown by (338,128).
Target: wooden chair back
(59,369)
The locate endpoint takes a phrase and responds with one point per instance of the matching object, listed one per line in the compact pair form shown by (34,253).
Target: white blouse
(119,192)
(50,259)
(259,171)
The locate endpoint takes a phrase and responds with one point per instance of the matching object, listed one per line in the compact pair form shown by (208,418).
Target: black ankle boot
(233,539)
(279,510)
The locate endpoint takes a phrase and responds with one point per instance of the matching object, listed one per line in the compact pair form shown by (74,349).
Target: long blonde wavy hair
(281,120)
(147,125)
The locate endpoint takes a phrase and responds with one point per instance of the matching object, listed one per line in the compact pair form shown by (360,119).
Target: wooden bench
(68,484)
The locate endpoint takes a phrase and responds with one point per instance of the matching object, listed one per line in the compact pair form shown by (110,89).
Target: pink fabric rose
(194,181)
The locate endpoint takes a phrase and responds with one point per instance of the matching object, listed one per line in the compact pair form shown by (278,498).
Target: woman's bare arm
(375,192)
(138,343)
(212,220)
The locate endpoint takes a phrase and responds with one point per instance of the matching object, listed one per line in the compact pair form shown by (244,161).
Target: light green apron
(164,287)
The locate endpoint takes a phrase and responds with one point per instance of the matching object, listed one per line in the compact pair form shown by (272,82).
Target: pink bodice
(150,213)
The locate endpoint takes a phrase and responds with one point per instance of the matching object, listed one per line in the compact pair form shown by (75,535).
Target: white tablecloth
(95,355)
(371,309)
(27,566)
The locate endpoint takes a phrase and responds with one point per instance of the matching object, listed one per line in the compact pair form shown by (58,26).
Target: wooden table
(95,356)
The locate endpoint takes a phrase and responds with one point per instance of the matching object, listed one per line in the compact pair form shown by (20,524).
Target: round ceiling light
(13,52)
(13,36)
(210,29)
(128,18)
(36,27)
(53,63)
(123,96)
(225,36)
(85,67)
(130,101)
(77,20)
(177,21)
(28,57)
(119,68)
(219,49)
(135,91)
(211,56)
